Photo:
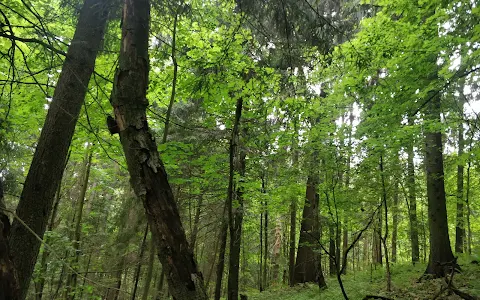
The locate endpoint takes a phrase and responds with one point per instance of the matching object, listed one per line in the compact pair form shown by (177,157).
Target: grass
(405,285)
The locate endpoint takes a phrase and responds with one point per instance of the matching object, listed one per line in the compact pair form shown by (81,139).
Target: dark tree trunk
(395,222)
(196,221)
(9,289)
(221,256)
(148,278)
(48,161)
(412,199)
(235,215)
(440,250)
(260,277)
(265,251)
(331,249)
(308,266)
(460,227)
(147,173)
(293,215)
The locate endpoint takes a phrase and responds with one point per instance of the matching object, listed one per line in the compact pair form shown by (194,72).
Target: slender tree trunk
(147,173)
(46,169)
(9,289)
(412,199)
(260,277)
(221,255)
(148,278)
(293,214)
(71,288)
(237,165)
(331,249)
(384,238)
(467,201)
(139,263)
(308,266)
(440,250)
(265,251)
(395,222)
(196,221)
(460,226)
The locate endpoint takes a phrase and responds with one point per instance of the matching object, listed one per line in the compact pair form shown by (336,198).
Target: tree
(147,173)
(47,166)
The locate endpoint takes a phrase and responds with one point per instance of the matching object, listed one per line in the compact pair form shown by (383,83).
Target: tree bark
(308,266)
(221,255)
(46,169)
(147,173)
(293,214)
(460,226)
(395,222)
(237,165)
(440,250)
(412,199)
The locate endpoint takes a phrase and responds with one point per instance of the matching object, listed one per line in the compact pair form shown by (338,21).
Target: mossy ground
(405,285)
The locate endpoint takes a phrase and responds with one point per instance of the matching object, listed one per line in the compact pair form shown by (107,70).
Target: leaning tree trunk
(48,161)
(147,173)
(440,250)
(308,266)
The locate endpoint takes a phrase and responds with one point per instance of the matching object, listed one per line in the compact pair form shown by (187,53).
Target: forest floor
(405,285)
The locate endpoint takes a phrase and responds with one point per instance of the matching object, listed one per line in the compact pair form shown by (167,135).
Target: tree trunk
(196,221)
(46,169)
(395,222)
(293,214)
(308,266)
(412,199)
(460,227)
(260,271)
(148,278)
(265,251)
(276,252)
(139,263)
(147,173)
(467,202)
(237,165)
(9,289)
(221,255)
(440,250)
(331,249)
(71,288)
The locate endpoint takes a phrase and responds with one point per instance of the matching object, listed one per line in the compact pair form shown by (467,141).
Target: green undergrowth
(405,285)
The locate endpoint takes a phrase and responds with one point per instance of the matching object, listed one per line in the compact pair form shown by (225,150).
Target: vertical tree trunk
(46,169)
(260,277)
(136,277)
(276,252)
(331,249)
(395,222)
(148,278)
(147,173)
(412,199)
(9,289)
(71,288)
(221,255)
(293,214)
(467,202)
(347,188)
(265,251)
(196,221)
(460,226)
(308,266)
(235,215)
(440,250)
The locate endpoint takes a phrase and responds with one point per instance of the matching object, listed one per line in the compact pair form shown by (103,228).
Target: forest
(239,149)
